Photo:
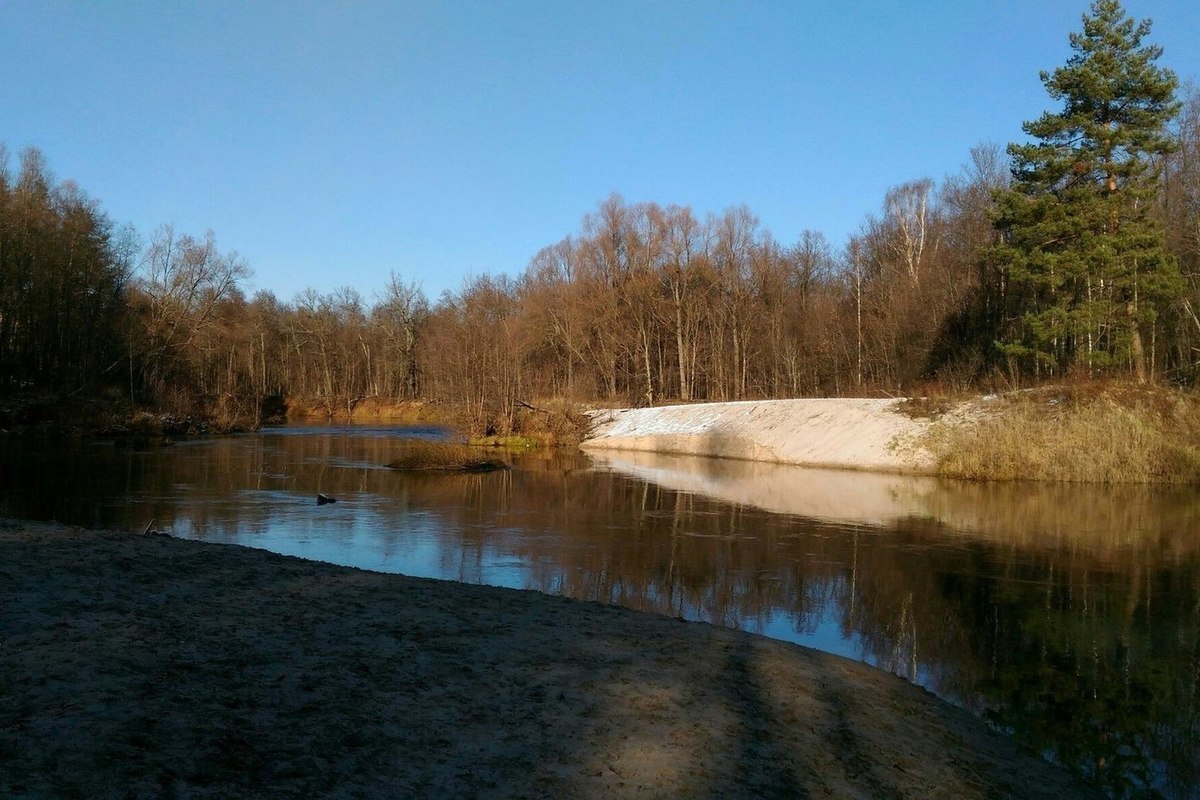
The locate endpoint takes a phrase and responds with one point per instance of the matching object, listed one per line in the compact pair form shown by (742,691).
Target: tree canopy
(1081,248)
(63,270)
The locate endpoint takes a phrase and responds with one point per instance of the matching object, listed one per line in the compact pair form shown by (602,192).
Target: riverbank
(844,433)
(553,422)
(150,666)
(108,415)
(1083,433)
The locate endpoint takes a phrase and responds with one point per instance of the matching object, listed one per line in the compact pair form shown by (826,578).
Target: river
(1068,616)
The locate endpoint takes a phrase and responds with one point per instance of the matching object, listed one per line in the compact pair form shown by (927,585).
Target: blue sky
(331,143)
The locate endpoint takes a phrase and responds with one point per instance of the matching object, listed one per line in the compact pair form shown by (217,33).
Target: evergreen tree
(1082,256)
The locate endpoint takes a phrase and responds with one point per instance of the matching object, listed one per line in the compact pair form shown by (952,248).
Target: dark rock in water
(324,499)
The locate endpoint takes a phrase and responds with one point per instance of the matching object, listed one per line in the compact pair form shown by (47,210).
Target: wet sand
(135,666)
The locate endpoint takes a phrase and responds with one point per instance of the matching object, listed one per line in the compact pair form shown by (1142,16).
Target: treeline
(644,304)
(64,277)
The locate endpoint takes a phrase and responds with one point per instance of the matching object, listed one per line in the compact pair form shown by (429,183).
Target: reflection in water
(1028,514)
(825,494)
(1067,615)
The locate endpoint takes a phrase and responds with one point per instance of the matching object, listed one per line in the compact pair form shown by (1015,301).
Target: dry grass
(370,409)
(443,456)
(553,422)
(1089,433)
(927,407)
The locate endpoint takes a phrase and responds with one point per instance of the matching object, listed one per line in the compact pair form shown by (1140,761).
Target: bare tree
(683,274)
(400,314)
(908,209)
(185,279)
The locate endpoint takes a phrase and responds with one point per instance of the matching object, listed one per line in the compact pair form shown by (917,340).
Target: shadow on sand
(149,666)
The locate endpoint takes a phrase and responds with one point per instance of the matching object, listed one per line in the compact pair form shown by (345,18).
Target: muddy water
(1069,616)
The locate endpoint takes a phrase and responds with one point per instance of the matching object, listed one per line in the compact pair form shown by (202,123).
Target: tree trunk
(1137,351)
(684,384)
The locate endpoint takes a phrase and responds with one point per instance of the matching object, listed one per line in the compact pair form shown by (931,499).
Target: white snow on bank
(844,433)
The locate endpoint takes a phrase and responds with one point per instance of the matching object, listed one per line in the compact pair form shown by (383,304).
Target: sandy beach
(143,666)
(844,433)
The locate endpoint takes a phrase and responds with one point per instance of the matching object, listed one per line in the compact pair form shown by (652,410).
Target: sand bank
(846,433)
(138,666)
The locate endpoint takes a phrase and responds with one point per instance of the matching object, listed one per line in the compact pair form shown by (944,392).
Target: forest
(998,276)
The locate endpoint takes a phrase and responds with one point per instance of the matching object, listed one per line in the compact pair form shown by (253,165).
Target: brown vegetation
(443,456)
(369,409)
(1089,432)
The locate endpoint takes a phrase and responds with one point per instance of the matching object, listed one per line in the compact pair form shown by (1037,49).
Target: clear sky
(331,143)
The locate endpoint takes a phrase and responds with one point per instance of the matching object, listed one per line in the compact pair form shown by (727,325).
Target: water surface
(1069,616)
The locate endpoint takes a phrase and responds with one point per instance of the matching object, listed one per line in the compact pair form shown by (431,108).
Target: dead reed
(443,456)
(1090,434)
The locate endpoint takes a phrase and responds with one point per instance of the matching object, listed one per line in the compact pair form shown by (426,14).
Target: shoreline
(143,666)
(1098,432)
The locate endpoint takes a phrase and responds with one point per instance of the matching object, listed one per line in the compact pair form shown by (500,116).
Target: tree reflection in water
(1066,615)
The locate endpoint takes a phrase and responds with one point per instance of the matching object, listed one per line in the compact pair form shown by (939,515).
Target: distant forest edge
(1078,254)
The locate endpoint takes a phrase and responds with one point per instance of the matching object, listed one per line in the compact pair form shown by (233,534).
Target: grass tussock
(1094,433)
(445,457)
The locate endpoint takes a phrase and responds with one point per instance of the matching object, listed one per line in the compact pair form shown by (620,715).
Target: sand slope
(844,433)
(154,667)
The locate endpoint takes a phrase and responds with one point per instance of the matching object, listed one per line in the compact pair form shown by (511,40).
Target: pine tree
(1084,260)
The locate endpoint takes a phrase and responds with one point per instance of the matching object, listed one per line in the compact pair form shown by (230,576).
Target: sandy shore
(136,666)
(846,433)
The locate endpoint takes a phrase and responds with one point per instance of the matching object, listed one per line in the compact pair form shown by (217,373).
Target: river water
(1067,616)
